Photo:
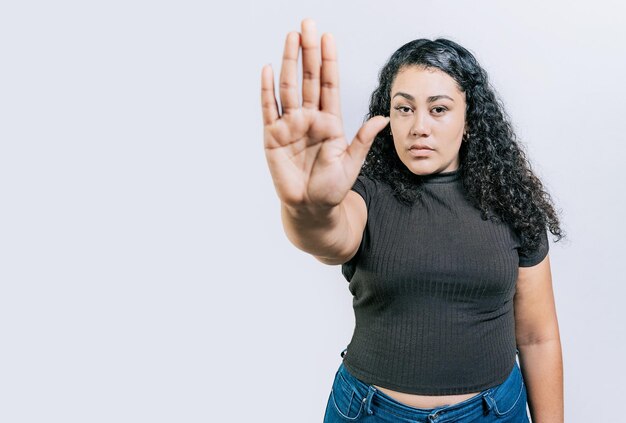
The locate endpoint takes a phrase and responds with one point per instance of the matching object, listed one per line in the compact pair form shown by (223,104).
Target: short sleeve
(535,257)
(365,187)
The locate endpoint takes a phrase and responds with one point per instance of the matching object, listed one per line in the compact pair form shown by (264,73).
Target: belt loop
(368,399)
(488,401)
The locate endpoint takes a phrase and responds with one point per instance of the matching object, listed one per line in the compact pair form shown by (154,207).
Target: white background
(144,272)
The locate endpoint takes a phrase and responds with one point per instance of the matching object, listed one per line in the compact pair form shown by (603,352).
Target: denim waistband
(377,401)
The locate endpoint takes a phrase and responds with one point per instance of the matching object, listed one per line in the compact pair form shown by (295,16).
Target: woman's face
(427,110)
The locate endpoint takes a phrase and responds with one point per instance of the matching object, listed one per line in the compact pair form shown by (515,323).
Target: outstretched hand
(311,163)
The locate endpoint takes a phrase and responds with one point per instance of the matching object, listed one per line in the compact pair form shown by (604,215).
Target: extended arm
(311,163)
(332,236)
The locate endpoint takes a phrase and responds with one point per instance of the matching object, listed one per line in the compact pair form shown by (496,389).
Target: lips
(420,147)
(420,152)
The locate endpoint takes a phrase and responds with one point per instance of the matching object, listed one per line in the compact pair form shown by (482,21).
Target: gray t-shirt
(433,286)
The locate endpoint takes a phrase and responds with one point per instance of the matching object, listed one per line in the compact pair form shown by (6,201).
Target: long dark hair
(495,172)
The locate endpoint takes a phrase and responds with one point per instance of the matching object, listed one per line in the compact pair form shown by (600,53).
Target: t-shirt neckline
(441,177)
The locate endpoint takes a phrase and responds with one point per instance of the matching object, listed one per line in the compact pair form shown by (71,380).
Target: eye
(443,109)
(403,109)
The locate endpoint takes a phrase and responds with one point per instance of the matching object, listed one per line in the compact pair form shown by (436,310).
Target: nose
(421,125)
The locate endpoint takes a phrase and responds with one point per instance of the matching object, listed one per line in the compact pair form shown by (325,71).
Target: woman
(440,227)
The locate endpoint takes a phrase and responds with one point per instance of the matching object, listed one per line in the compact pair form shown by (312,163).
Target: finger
(268,97)
(310,65)
(288,73)
(358,149)
(330,76)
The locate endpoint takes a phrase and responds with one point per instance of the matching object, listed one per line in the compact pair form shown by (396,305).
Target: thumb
(365,136)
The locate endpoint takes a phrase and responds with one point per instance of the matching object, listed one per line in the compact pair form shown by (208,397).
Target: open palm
(310,160)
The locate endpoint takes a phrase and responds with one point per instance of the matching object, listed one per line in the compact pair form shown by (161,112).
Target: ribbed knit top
(433,286)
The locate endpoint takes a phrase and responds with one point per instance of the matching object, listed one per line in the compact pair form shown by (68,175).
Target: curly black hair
(495,172)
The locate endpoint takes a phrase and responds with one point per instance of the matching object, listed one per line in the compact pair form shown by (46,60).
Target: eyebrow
(430,99)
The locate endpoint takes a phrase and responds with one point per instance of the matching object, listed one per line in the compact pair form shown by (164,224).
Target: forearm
(322,233)
(542,368)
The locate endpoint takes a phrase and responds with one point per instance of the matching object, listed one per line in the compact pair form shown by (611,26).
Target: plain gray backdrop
(144,272)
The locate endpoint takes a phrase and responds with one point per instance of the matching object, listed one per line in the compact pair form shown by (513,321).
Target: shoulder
(366,187)
(528,258)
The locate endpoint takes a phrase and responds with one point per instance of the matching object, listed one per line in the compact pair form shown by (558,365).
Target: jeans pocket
(510,395)
(346,399)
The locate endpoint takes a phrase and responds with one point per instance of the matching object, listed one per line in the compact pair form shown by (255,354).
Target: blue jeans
(352,400)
